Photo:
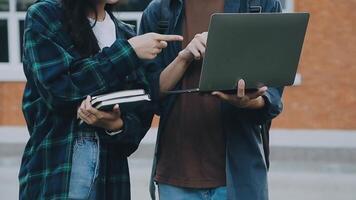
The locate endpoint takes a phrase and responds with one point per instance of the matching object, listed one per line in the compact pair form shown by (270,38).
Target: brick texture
(327,97)
(10,104)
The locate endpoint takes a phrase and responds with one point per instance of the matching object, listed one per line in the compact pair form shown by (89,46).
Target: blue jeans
(85,167)
(169,192)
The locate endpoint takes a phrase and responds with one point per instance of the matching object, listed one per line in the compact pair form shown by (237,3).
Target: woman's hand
(149,45)
(107,120)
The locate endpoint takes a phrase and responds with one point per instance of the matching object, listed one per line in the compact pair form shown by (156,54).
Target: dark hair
(76,23)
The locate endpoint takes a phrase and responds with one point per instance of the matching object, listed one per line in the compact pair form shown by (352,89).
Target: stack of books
(127,100)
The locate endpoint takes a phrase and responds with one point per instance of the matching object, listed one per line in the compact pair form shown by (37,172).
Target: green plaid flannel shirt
(58,79)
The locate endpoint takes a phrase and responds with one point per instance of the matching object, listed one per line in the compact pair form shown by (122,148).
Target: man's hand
(242,99)
(107,120)
(174,72)
(149,45)
(195,50)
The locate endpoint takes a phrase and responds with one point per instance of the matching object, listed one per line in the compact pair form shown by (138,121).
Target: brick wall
(327,97)
(10,104)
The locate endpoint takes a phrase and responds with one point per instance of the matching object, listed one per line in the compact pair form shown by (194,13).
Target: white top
(104,31)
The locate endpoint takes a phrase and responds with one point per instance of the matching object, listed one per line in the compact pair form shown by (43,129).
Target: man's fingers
(241,88)
(169,38)
(205,35)
(201,48)
(221,95)
(262,91)
(202,40)
(195,52)
(254,95)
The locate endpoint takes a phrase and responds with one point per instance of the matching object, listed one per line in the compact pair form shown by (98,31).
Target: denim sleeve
(273,107)
(273,6)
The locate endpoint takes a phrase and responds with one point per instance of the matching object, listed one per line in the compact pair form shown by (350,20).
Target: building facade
(324,98)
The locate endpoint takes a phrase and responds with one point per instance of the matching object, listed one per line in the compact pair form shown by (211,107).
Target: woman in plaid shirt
(74,49)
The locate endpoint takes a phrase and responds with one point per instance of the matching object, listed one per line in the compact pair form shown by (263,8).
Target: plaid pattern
(58,79)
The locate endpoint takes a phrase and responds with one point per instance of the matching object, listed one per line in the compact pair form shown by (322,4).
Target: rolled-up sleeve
(273,107)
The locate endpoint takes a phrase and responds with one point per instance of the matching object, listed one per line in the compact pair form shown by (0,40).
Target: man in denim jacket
(208,146)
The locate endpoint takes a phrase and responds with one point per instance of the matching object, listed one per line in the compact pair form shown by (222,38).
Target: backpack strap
(163,23)
(265,128)
(252,6)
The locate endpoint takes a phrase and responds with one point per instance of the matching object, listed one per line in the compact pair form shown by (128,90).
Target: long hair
(76,23)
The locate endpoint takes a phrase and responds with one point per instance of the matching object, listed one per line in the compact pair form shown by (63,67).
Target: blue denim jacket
(246,168)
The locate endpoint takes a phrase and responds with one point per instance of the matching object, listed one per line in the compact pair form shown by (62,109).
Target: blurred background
(313,143)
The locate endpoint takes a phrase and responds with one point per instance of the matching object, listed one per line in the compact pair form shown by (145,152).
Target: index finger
(169,38)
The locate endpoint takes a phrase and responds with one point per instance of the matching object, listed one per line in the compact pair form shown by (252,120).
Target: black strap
(249,6)
(265,128)
(163,23)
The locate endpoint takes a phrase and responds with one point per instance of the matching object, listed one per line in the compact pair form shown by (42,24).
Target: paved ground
(288,180)
(315,171)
